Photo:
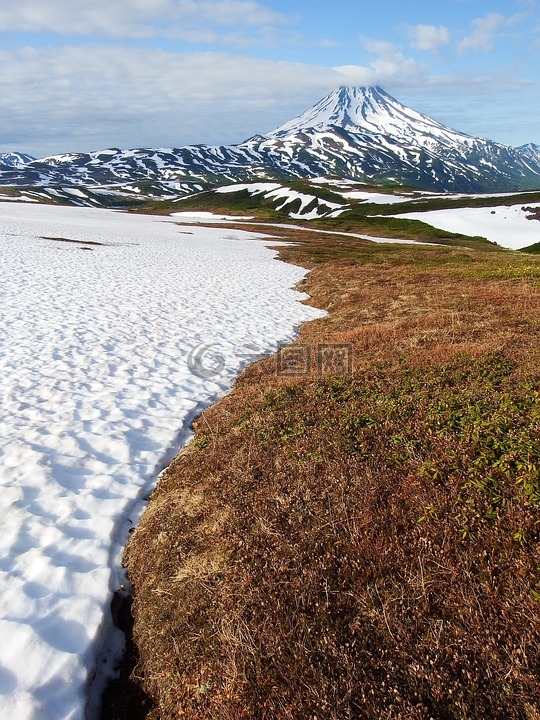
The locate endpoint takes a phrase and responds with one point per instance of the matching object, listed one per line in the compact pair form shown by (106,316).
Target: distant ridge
(15,159)
(531,151)
(356,133)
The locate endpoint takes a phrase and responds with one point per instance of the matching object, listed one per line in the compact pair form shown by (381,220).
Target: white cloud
(484,33)
(182,19)
(390,64)
(326,43)
(89,97)
(428,37)
(75,98)
(528,11)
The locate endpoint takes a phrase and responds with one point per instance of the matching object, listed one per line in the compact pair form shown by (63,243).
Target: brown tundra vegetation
(360,544)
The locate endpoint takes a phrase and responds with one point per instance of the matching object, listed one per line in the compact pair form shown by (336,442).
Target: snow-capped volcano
(363,133)
(372,110)
(357,133)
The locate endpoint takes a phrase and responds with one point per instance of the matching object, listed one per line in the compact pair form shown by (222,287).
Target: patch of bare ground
(361,545)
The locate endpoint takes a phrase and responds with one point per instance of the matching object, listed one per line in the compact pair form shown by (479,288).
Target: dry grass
(360,546)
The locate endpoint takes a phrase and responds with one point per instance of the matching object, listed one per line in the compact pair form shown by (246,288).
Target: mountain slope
(15,159)
(372,110)
(361,134)
(385,139)
(530,151)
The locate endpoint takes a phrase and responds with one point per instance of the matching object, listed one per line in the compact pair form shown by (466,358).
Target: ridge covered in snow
(356,133)
(531,151)
(15,159)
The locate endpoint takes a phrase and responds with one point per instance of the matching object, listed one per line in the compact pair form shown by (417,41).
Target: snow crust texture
(110,342)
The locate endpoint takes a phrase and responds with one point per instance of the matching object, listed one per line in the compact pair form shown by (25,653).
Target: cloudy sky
(81,75)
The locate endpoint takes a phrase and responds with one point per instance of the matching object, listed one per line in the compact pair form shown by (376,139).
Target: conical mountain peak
(345,107)
(371,110)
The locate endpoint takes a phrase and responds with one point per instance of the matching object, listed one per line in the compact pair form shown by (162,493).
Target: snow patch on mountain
(252,188)
(530,151)
(373,197)
(15,159)
(308,207)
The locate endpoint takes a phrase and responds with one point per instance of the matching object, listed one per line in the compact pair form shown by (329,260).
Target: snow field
(507,226)
(107,352)
(199,216)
